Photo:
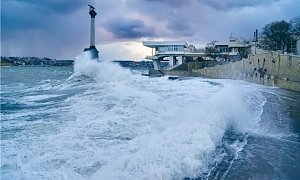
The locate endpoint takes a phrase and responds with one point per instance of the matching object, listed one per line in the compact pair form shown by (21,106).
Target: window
(223,49)
(175,48)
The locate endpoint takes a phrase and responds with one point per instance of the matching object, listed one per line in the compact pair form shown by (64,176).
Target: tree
(211,51)
(276,36)
(244,52)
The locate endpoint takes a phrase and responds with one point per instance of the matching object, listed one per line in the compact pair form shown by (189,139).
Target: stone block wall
(270,68)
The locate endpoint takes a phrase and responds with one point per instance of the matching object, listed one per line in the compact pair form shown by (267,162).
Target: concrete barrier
(272,68)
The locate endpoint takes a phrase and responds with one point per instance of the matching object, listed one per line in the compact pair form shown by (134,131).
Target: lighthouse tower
(92,49)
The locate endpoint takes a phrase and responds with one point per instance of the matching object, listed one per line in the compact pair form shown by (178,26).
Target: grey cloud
(57,6)
(173,17)
(171,2)
(16,17)
(225,5)
(182,32)
(43,27)
(20,14)
(128,28)
(222,5)
(60,28)
(180,27)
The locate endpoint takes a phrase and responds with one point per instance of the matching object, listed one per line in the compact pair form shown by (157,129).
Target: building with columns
(175,52)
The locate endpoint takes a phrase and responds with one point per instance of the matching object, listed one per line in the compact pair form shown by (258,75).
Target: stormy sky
(60,28)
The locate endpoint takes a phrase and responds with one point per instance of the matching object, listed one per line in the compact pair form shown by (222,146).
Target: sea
(102,121)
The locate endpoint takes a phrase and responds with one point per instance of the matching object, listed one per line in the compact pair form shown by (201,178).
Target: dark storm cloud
(40,27)
(16,15)
(58,6)
(19,14)
(128,28)
(217,4)
(171,2)
(60,28)
(231,4)
(180,28)
(194,17)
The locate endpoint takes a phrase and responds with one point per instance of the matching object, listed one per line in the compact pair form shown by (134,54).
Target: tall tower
(92,49)
(92,34)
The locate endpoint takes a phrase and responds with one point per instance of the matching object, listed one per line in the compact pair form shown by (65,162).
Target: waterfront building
(175,52)
(234,46)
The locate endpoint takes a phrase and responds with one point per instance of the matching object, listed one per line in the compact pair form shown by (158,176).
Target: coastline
(271,69)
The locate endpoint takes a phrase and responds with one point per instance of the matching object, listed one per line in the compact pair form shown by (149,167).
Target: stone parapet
(271,68)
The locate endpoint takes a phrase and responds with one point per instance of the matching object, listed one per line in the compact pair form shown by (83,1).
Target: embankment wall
(270,68)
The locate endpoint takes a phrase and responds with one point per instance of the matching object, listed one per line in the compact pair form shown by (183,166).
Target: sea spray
(106,123)
(104,71)
(174,137)
(183,146)
(241,107)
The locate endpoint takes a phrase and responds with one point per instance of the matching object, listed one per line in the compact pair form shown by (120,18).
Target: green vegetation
(281,35)
(211,51)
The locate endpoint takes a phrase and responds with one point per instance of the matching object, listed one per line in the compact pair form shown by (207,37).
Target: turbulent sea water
(101,121)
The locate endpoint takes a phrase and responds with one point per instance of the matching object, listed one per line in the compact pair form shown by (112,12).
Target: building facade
(175,52)
(233,47)
(171,51)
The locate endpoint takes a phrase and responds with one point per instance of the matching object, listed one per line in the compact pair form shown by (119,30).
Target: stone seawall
(271,68)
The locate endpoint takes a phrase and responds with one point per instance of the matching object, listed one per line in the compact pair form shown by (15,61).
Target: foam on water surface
(119,125)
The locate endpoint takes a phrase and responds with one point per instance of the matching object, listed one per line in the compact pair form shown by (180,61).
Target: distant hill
(37,61)
(34,61)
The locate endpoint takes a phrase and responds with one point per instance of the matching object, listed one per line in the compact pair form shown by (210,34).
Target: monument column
(92,33)
(92,49)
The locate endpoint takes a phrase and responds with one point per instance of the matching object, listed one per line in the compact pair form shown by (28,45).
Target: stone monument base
(93,52)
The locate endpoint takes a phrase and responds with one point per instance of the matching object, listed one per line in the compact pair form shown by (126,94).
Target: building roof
(237,44)
(219,43)
(153,44)
(231,44)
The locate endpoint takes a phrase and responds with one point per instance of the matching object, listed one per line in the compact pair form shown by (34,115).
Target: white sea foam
(102,72)
(125,126)
(33,98)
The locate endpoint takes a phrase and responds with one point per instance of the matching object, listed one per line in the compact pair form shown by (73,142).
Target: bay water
(102,121)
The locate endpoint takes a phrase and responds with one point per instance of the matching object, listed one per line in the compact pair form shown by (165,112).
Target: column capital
(93,13)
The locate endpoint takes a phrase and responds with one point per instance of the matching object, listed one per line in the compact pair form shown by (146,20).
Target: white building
(232,47)
(175,52)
